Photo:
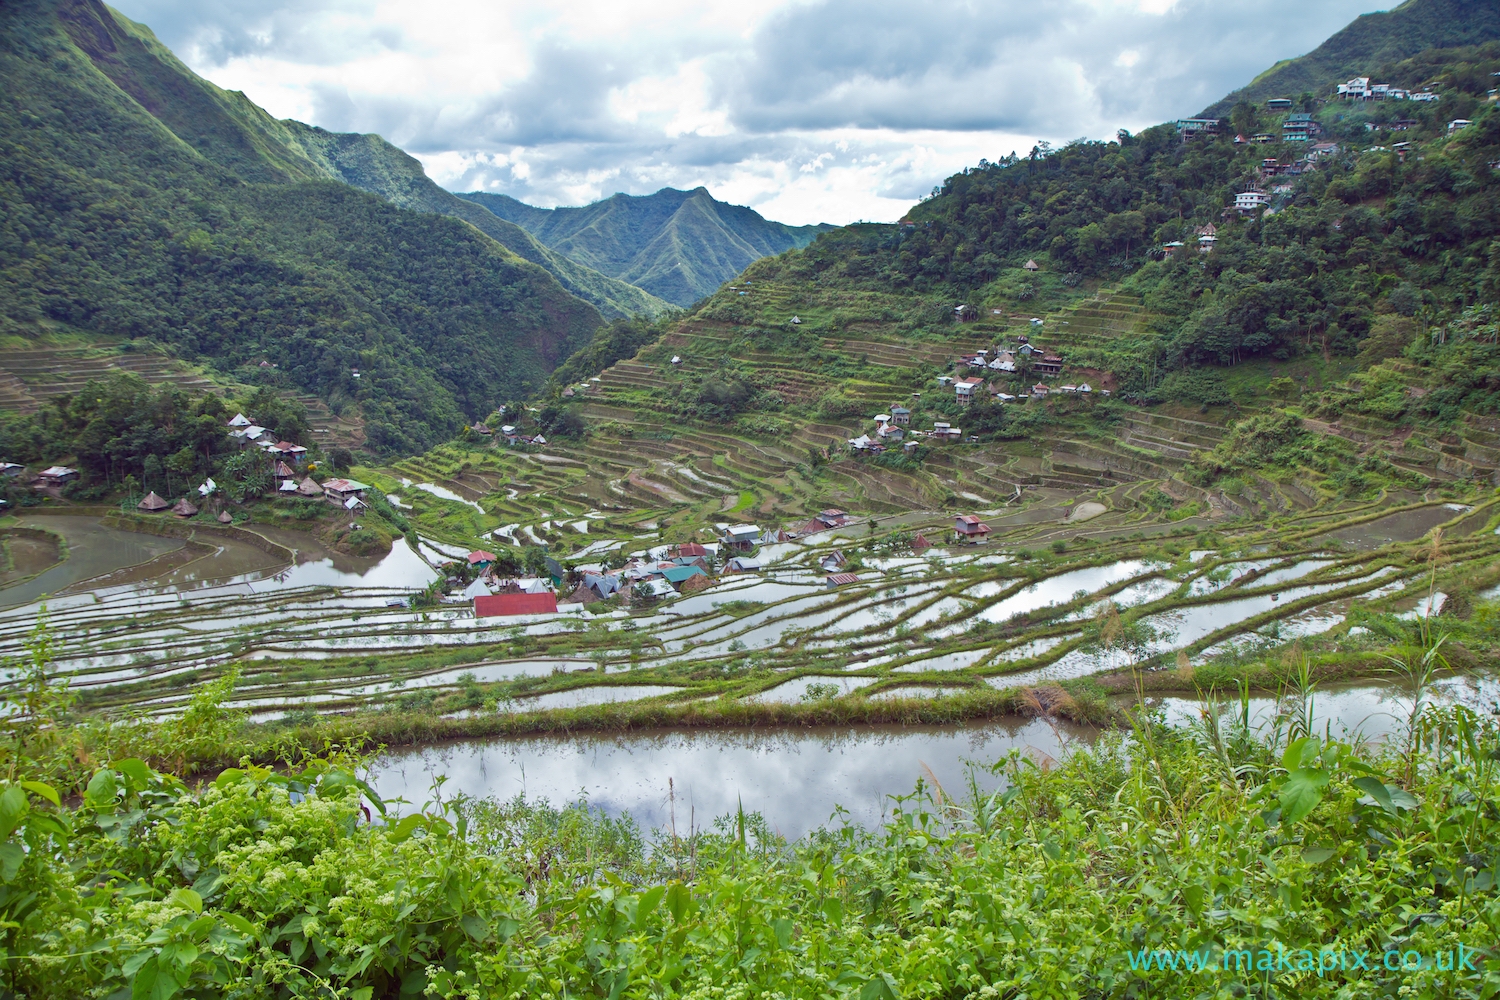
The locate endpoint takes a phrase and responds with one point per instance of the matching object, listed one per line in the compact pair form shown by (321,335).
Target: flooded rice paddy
(802,779)
(141,618)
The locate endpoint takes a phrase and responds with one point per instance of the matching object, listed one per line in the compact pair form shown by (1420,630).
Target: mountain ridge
(678,245)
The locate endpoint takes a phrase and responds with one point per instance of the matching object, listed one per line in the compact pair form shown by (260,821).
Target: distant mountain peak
(677,245)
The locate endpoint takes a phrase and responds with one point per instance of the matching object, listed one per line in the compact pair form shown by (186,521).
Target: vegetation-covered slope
(1370,42)
(678,245)
(141,201)
(371,164)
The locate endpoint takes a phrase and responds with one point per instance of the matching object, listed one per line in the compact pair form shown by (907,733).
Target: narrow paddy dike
(938,636)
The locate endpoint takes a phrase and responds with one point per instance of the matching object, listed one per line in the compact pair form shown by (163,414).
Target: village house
(677,576)
(340,491)
(968,528)
(943,432)
(1192,126)
(1279,104)
(1251,201)
(833,517)
(482,428)
(1299,128)
(900,416)
(840,579)
(481,559)
(509,605)
(10,469)
(1262,137)
(865,444)
(294,453)
(183,508)
(1170,248)
(742,564)
(741,537)
(153,504)
(1048,364)
(834,560)
(1004,361)
(966,388)
(1031,265)
(1040,390)
(1458,123)
(890,432)
(239,420)
(56,475)
(945,380)
(602,585)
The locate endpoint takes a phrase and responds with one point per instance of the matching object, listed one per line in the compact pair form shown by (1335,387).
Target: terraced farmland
(1017,612)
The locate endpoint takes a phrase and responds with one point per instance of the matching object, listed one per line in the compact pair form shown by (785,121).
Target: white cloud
(810,111)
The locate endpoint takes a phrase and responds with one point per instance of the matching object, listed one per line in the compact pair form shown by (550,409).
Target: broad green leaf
(1194,895)
(880,987)
(782,928)
(135,769)
(11,856)
(679,901)
(833,909)
(375,800)
(229,776)
(13,806)
(475,927)
(336,784)
(1401,798)
(46,791)
(403,829)
(1376,791)
(1302,791)
(238,923)
(102,789)
(1300,753)
(650,900)
(1317,855)
(188,899)
(363,993)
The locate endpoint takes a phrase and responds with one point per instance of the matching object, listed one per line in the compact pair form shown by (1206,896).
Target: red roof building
(839,579)
(502,605)
(969,526)
(688,549)
(480,556)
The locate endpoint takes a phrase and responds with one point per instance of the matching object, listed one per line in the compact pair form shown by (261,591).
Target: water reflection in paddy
(795,779)
(1061,588)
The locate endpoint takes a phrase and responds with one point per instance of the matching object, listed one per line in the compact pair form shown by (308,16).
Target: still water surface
(798,779)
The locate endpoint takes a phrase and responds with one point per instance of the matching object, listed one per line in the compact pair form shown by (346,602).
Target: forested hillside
(1355,230)
(140,201)
(678,245)
(371,164)
(1370,44)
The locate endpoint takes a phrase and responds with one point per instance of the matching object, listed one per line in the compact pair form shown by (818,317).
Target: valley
(406,592)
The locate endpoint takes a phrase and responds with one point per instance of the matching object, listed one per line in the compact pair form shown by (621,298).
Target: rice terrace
(485,563)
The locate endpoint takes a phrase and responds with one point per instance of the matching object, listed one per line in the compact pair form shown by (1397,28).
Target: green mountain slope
(140,200)
(1371,42)
(678,245)
(371,164)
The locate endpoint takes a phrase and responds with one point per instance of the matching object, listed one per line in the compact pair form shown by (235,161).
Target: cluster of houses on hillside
(250,434)
(1361,89)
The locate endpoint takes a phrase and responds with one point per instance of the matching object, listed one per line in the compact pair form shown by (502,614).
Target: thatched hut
(184,509)
(153,504)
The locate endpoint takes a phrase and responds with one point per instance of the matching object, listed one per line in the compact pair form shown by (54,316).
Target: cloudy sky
(808,110)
